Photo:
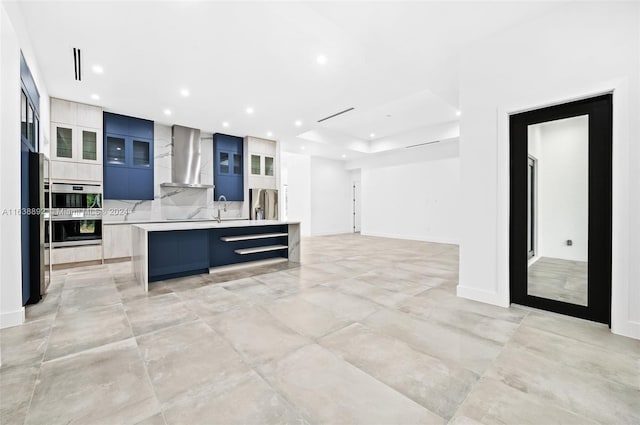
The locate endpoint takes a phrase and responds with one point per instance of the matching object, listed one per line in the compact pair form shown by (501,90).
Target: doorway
(356,207)
(560,208)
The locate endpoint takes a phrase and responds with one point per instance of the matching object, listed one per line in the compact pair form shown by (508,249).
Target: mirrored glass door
(560,236)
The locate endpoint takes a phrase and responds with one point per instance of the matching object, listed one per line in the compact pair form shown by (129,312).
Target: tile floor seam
(389,387)
(146,372)
(579,341)
(457,329)
(489,367)
(314,321)
(568,319)
(379,380)
(492,365)
(315,338)
(585,371)
(44,353)
(155,331)
(242,358)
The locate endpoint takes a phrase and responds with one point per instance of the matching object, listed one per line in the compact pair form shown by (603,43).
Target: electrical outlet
(569,242)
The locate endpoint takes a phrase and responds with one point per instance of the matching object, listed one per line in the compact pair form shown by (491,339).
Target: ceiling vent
(77,64)
(422,144)
(336,114)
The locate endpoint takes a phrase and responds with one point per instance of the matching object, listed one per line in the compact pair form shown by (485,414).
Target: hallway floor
(365,331)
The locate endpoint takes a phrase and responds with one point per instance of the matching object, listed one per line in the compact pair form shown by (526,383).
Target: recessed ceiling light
(344,156)
(185,93)
(372,135)
(301,147)
(97,69)
(458,113)
(321,59)
(225,124)
(95,97)
(269,134)
(249,110)
(298,123)
(167,111)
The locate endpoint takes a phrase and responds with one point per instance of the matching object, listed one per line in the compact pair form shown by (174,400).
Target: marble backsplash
(172,203)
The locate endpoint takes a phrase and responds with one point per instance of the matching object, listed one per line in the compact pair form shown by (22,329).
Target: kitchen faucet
(220,199)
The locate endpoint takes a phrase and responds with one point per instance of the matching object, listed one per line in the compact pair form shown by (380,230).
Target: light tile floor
(558,279)
(365,331)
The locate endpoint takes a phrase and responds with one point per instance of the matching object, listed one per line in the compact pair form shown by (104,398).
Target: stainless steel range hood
(185,159)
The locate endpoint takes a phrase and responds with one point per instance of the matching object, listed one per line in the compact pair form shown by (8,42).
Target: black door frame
(600,111)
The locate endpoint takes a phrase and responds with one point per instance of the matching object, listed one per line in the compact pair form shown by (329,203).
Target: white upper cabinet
(76,141)
(262,162)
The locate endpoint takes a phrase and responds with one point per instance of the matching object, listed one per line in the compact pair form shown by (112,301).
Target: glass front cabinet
(228,177)
(76,144)
(76,132)
(262,165)
(128,164)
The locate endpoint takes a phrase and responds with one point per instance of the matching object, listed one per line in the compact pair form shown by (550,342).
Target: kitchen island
(168,250)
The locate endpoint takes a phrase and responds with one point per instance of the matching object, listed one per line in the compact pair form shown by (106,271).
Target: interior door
(560,208)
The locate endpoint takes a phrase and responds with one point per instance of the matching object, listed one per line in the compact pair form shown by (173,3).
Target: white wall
(296,174)
(331,188)
(577,50)
(563,187)
(413,201)
(11,41)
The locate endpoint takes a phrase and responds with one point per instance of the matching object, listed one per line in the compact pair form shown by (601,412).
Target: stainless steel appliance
(74,232)
(186,158)
(73,196)
(263,204)
(38,277)
(76,215)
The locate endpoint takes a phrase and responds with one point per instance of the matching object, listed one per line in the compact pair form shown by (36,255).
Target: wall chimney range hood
(185,159)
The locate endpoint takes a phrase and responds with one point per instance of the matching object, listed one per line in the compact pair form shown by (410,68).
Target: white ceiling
(383,58)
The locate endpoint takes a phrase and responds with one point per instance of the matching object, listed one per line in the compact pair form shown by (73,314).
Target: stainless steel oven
(74,196)
(76,214)
(74,232)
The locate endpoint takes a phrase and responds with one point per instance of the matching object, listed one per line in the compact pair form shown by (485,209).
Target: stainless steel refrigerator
(38,275)
(263,204)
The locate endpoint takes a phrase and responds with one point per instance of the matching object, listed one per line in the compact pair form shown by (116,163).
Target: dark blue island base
(175,252)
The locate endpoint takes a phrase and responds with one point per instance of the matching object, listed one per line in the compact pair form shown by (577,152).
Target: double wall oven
(76,214)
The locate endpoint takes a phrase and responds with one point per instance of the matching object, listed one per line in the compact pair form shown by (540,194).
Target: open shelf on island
(256,250)
(252,237)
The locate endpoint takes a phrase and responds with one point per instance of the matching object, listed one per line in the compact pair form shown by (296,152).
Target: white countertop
(181,220)
(211,224)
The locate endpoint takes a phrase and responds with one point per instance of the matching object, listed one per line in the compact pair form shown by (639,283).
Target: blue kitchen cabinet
(128,162)
(140,184)
(228,167)
(226,245)
(178,253)
(116,182)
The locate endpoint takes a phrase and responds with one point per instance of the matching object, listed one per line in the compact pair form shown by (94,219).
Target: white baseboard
(629,329)
(331,233)
(449,241)
(486,297)
(11,318)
